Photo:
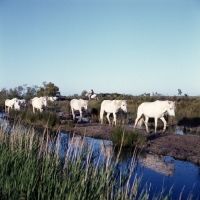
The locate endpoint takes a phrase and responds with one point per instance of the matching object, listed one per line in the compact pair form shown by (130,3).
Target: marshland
(49,155)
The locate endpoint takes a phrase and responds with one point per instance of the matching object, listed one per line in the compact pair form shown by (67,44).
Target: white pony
(112,107)
(39,103)
(94,96)
(10,103)
(78,104)
(156,110)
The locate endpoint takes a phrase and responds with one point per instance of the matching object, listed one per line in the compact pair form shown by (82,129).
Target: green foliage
(47,118)
(83,93)
(127,138)
(49,89)
(70,124)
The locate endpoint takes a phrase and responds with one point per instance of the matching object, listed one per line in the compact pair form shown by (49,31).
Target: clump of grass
(127,138)
(47,118)
(70,124)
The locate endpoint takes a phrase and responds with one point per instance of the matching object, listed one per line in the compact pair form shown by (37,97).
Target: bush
(127,138)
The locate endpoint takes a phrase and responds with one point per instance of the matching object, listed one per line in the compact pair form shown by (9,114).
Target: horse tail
(140,122)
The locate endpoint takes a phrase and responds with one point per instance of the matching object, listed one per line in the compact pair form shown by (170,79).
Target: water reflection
(156,170)
(179,131)
(106,149)
(157,163)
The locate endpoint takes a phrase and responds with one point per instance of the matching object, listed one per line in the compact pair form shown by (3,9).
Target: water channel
(158,172)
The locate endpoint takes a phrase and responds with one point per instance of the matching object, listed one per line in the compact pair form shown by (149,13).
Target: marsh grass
(28,170)
(46,117)
(127,138)
(31,169)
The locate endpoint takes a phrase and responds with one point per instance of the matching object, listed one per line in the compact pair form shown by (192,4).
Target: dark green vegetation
(127,138)
(47,119)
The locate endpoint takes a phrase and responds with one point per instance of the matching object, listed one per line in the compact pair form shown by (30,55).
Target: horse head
(44,101)
(171,108)
(124,105)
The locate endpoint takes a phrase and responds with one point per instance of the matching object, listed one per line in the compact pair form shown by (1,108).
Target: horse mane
(117,102)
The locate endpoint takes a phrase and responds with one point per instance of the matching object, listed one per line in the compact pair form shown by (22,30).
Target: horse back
(108,106)
(152,109)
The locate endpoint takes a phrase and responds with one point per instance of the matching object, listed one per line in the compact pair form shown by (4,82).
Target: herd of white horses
(156,109)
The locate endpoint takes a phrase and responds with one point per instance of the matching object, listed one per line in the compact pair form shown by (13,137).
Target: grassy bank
(30,170)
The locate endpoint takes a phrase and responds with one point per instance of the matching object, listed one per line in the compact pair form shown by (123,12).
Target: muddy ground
(182,147)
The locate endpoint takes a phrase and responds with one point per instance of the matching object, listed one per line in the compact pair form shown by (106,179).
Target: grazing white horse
(112,107)
(10,103)
(52,98)
(78,104)
(94,96)
(155,110)
(39,103)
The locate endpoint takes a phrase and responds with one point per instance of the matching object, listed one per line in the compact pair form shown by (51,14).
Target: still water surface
(158,172)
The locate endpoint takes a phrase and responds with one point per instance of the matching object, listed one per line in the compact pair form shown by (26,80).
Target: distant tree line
(26,92)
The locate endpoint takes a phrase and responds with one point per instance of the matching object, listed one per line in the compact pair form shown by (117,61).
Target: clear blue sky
(123,46)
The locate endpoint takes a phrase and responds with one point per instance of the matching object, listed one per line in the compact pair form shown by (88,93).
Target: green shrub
(127,138)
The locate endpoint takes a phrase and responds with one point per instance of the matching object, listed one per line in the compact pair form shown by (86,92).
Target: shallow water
(158,172)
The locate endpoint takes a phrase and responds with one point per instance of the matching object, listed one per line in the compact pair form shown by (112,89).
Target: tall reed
(30,168)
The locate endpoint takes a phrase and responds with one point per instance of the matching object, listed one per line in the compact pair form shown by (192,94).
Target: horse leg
(136,121)
(80,116)
(156,122)
(101,115)
(108,114)
(114,120)
(146,124)
(73,113)
(165,123)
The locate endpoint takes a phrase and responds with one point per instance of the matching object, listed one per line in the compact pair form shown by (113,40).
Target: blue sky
(123,46)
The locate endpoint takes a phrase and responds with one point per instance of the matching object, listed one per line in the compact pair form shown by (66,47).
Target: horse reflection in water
(106,150)
(76,144)
(158,164)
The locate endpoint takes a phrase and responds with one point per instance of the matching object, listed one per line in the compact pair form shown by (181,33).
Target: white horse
(22,102)
(112,107)
(94,96)
(10,103)
(155,110)
(52,98)
(17,105)
(39,103)
(78,104)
